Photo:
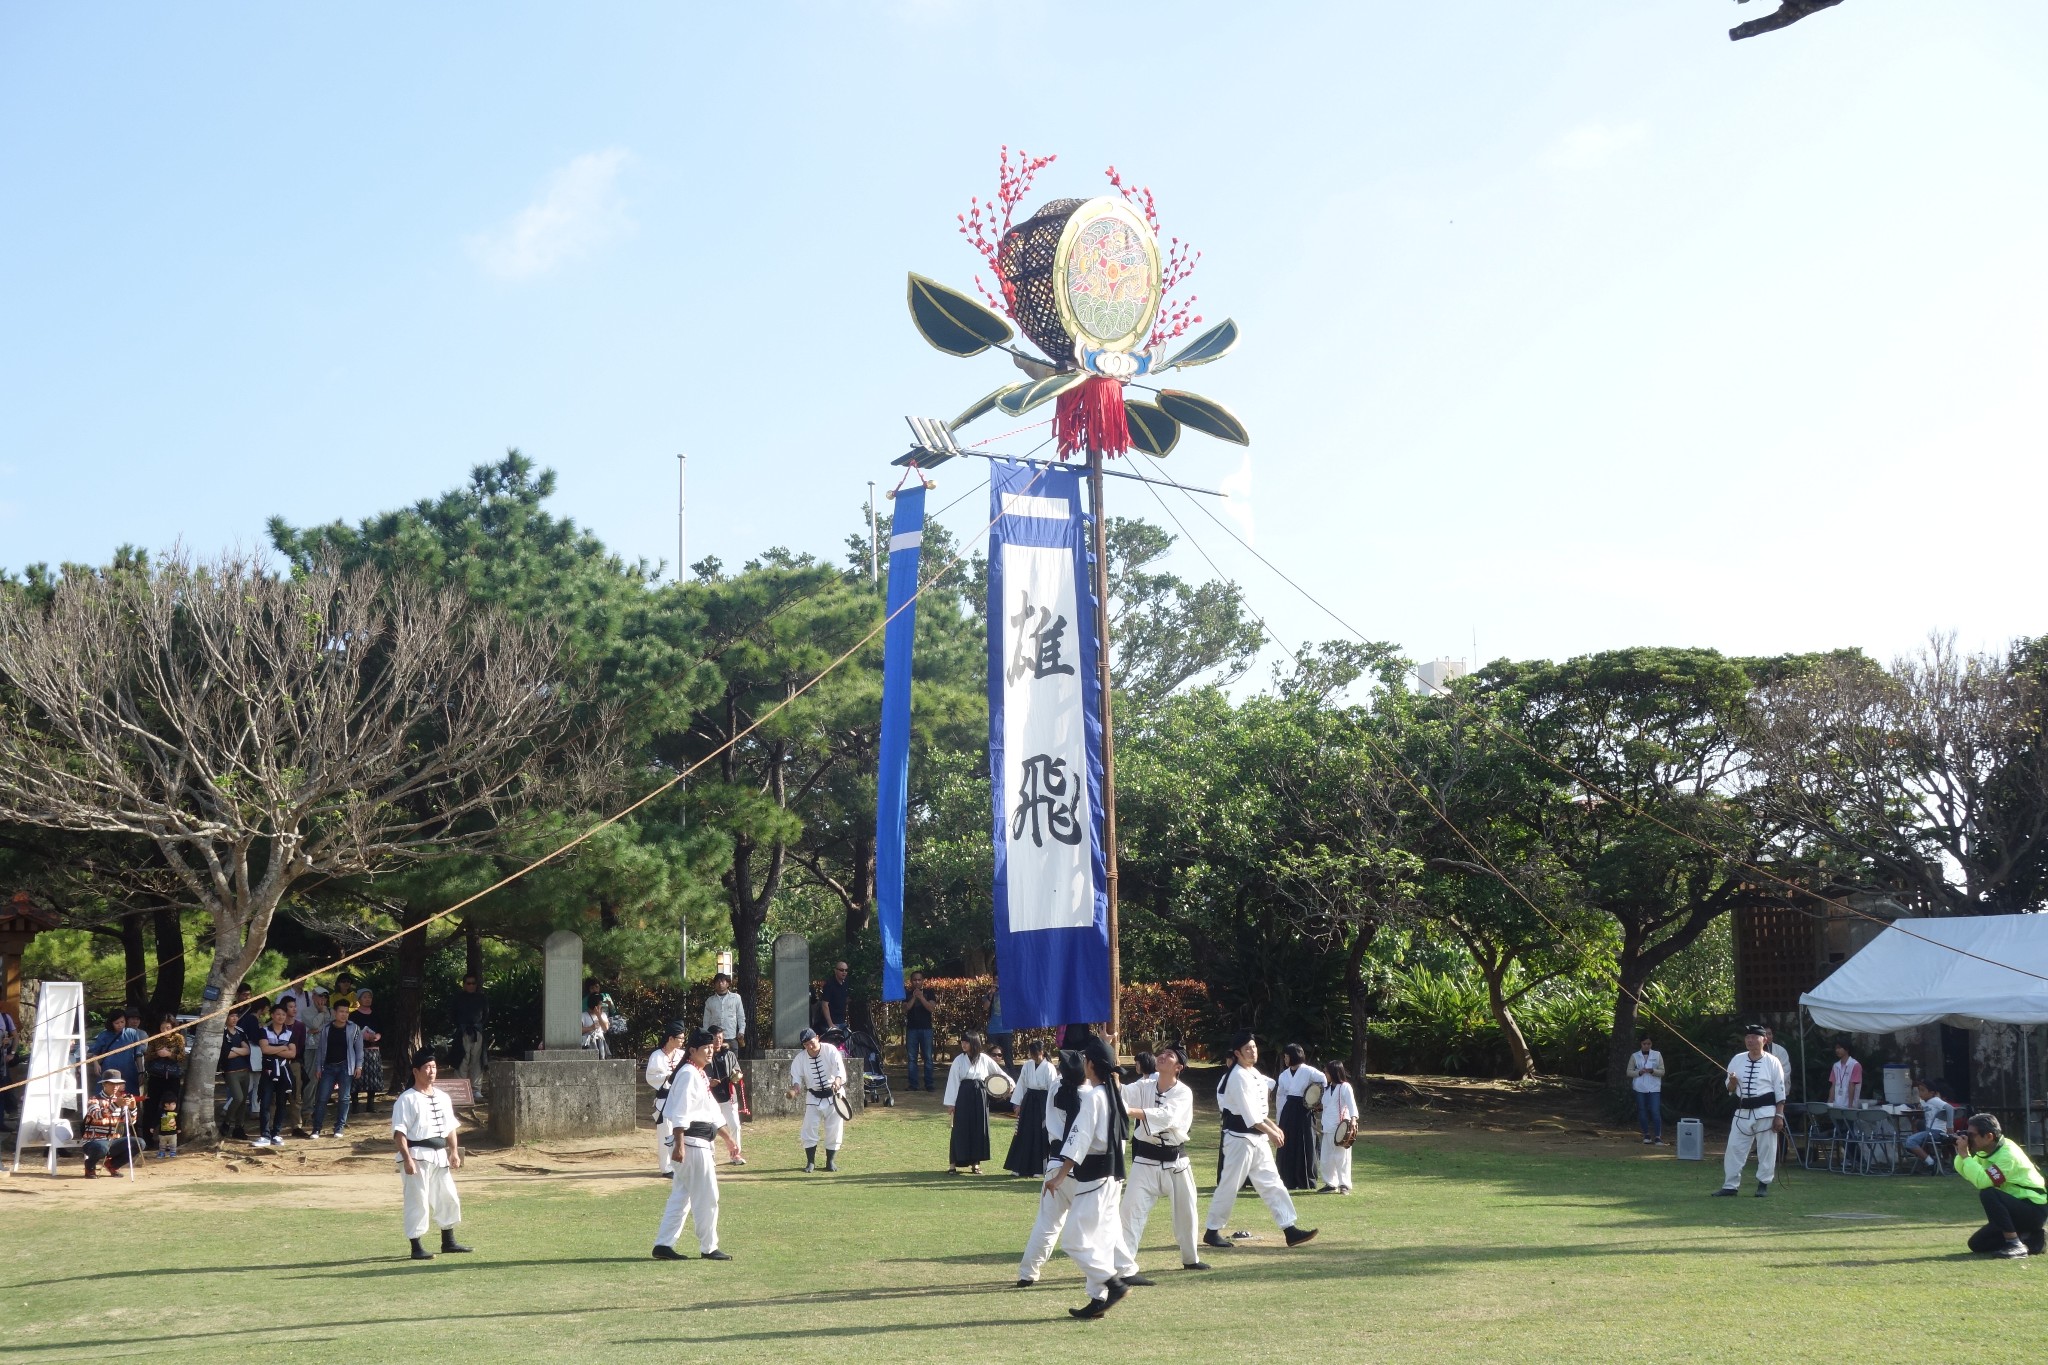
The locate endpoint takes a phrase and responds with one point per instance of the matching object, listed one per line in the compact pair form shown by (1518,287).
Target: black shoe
(1198,1265)
(1117,1288)
(1213,1238)
(1095,1309)
(2035,1243)
(420,1253)
(1138,1282)
(668,1253)
(1296,1236)
(1723,1194)
(1763,1187)
(716,1255)
(448,1242)
(1026,1284)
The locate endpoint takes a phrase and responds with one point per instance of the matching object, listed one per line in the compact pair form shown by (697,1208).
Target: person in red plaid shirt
(110,1125)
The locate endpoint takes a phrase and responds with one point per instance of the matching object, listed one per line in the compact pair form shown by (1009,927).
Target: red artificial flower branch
(984,225)
(1175,315)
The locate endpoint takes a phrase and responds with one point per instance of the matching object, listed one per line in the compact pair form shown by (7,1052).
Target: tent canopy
(1912,974)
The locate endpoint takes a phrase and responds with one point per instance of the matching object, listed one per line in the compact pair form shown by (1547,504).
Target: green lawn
(1463,1244)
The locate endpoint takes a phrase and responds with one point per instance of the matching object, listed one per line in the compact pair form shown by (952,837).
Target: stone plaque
(562,990)
(792,988)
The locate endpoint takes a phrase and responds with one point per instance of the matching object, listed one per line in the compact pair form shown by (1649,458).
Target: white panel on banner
(1045,743)
(1024,505)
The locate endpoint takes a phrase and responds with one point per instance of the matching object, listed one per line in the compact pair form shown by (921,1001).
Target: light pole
(682,471)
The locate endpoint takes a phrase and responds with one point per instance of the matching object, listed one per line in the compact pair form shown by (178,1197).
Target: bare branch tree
(259,730)
(1932,774)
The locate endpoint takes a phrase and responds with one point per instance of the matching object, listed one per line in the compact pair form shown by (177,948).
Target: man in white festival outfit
(1162,1111)
(693,1118)
(1248,1137)
(429,1153)
(1757,1082)
(819,1074)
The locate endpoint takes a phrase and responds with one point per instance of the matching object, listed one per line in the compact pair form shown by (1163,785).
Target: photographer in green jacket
(2009,1186)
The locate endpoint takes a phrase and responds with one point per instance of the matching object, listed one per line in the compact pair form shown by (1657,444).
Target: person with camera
(727,1081)
(918,1042)
(429,1154)
(110,1126)
(2008,1186)
(598,1023)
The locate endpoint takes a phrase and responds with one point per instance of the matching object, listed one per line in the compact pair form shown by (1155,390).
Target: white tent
(1926,971)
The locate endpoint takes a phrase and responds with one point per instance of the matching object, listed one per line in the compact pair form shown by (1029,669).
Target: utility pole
(682,471)
(874,538)
(1116,1007)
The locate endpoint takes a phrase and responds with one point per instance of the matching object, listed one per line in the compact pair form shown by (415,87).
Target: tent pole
(1802,1052)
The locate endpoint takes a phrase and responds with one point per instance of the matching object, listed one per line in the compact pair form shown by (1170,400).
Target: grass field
(1538,1243)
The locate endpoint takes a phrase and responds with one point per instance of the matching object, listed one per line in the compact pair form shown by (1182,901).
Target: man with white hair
(818,1073)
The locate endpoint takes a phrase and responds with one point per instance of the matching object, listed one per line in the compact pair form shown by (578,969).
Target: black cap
(698,1038)
(1757,1029)
(675,1028)
(422,1057)
(807,1035)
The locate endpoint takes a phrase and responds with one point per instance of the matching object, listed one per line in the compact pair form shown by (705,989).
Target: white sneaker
(259,1141)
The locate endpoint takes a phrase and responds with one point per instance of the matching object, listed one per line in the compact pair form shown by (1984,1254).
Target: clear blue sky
(1573,325)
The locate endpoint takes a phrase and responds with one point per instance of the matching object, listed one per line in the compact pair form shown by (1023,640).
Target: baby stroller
(874,1081)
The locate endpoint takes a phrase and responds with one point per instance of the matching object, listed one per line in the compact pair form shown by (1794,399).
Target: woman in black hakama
(1297,1156)
(967,1102)
(1034,1084)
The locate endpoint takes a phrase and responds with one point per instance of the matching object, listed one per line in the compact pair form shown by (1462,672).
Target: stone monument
(561,992)
(562,1091)
(792,988)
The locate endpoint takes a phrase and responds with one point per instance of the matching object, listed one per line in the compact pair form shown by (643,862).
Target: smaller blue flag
(892,776)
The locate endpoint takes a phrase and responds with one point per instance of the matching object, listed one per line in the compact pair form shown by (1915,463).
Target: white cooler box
(1692,1140)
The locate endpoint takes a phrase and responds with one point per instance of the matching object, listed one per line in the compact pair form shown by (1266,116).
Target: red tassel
(1090,416)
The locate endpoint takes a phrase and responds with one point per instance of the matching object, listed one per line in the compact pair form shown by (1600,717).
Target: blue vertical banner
(1045,751)
(892,769)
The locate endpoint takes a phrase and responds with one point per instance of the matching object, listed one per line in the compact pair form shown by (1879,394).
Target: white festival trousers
(1747,1133)
(665,1134)
(821,1114)
(1094,1231)
(1336,1162)
(1045,1233)
(431,1191)
(693,1189)
(1249,1157)
(1149,1183)
(731,1110)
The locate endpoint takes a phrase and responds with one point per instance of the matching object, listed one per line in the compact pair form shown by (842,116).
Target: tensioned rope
(1705,845)
(778,610)
(958,558)
(1442,816)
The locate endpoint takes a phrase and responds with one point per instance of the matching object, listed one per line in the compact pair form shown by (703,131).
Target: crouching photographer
(2008,1185)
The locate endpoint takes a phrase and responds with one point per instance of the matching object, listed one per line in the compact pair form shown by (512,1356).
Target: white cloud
(579,211)
(1591,146)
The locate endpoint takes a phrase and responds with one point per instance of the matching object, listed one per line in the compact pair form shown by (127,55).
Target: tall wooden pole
(1108,736)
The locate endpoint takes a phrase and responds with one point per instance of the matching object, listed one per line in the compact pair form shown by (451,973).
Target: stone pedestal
(570,1094)
(770,1097)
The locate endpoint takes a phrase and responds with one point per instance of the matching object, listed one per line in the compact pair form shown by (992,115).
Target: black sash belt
(1095,1167)
(701,1130)
(1233,1124)
(1156,1151)
(1756,1101)
(821,1094)
(431,1144)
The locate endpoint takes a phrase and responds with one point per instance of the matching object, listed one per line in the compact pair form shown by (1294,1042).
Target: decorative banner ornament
(1085,281)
